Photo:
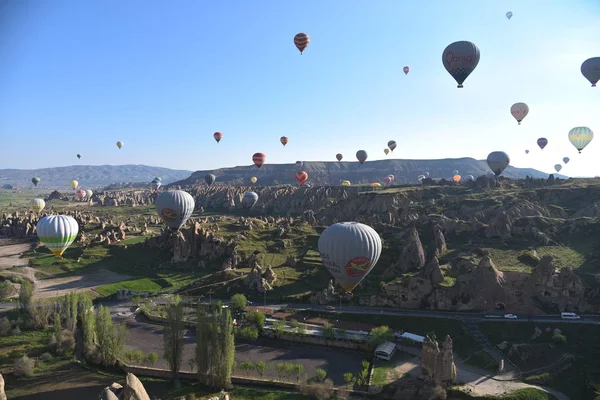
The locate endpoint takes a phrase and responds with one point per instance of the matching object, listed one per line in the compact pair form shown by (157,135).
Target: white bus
(569,315)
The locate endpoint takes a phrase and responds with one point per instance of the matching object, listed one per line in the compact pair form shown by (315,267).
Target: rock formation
(2,393)
(437,364)
(133,390)
(561,289)
(413,255)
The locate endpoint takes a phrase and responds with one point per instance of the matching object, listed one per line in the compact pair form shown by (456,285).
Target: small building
(410,337)
(385,351)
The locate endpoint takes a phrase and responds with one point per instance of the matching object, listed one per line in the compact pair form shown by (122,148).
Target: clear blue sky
(163,76)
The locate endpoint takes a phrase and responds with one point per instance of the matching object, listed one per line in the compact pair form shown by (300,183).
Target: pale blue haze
(163,76)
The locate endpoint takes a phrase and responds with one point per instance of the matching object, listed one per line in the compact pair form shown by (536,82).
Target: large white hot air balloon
(519,111)
(37,205)
(249,199)
(174,207)
(350,251)
(580,137)
(57,232)
(89,194)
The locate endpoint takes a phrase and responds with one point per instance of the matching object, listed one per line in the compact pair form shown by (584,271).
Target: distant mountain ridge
(89,176)
(333,172)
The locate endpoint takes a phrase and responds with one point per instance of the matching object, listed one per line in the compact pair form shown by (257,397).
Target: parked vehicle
(569,315)
(510,316)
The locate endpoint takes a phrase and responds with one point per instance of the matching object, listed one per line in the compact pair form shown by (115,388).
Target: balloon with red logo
(339,156)
(460,59)
(218,136)
(80,194)
(301,177)
(349,250)
(174,207)
(259,159)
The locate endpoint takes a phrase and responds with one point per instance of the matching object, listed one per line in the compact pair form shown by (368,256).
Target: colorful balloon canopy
(155,184)
(88,194)
(460,59)
(346,183)
(120,144)
(591,70)
(37,205)
(557,167)
(249,199)
(387,180)
(218,136)
(301,40)
(57,232)
(566,160)
(259,159)
(542,142)
(74,184)
(80,194)
(580,137)
(301,177)
(361,156)
(498,161)
(209,179)
(406,70)
(375,184)
(174,207)
(456,178)
(509,15)
(392,145)
(519,111)
(339,156)
(284,140)
(35,181)
(349,250)
(254,179)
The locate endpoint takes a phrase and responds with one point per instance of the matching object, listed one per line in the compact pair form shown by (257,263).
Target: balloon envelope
(509,15)
(339,156)
(460,60)
(120,144)
(88,194)
(284,140)
(566,160)
(346,183)
(249,199)
(386,151)
(498,161)
(591,70)
(259,159)
(361,156)
(580,137)
(376,184)
(470,178)
(526,151)
(542,142)
(387,180)
(426,174)
(78,155)
(519,111)
(455,172)
(392,145)
(301,177)
(299,165)
(557,167)
(80,194)
(301,40)
(406,69)
(456,178)
(35,181)
(349,250)
(174,207)
(210,179)
(74,184)
(57,232)
(37,205)
(218,136)
(253,179)
(155,184)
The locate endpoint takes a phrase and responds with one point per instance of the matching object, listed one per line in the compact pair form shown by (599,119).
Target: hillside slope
(405,171)
(89,176)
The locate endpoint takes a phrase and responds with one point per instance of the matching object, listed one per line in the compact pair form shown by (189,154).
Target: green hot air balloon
(35,181)
(361,156)
(498,161)
(580,137)
(349,250)
(57,232)
(210,179)
(174,207)
(249,199)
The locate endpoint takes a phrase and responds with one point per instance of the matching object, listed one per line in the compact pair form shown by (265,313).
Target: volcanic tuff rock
(437,362)
(563,290)
(2,394)
(133,390)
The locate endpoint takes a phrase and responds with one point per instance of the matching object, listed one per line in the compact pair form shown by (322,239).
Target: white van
(569,315)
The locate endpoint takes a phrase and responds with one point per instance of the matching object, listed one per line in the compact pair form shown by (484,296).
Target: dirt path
(10,255)
(79,283)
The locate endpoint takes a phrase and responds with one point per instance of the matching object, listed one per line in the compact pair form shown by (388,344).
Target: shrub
(247,332)
(320,374)
(320,391)
(5,326)
(152,358)
(239,302)
(46,357)
(24,366)
(559,339)
(258,318)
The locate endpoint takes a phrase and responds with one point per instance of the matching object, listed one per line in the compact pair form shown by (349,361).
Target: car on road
(569,315)
(249,303)
(330,307)
(510,316)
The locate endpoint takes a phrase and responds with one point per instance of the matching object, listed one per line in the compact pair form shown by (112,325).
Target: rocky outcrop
(559,288)
(412,253)
(132,390)
(437,363)
(2,393)
(433,272)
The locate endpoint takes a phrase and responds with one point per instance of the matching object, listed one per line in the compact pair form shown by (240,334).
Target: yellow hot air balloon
(386,151)
(37,205)
(346,183)
(253,179)
(376,184)
(74,184)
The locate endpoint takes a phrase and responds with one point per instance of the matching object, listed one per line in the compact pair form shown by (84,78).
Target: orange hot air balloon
(218,136)
(301,40)
(259,159)
(456,178)
(284,140)
(339,156)
(301,177)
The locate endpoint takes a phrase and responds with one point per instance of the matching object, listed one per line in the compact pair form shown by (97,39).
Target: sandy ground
(10,255)
(60,286)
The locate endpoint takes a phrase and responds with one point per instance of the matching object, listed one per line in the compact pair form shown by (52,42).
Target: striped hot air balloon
(259,159)
(301,40)
(57,232)
(580,137)
(284,140)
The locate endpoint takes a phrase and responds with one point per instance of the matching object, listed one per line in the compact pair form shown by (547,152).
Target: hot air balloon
(509,15)
(455,172)
(426,174)
(249,199)
(542,142)
(37,205)
(376,184)
(57,232)
(253,179)
(392,177)
(460,60)
(387,180)
(74,184)
(406,70)
(498,161)
(210,179)
(284,140)
(259,159)
(470,178)
(392,145)
(386,151)
(301,177)
(301,40)
(299,165)
(174,207)
(346,183)
(591,70)
(89,194)
(218,136)
(120,144)
(566,160)
(456,178)
(78,155)
(349,250)
(80,194)
(420,178)
(35,181)
(158,178)
(557,167)
(526,151)
(519,111)
(155,184)
(339,156)
(580,137)
(361,156)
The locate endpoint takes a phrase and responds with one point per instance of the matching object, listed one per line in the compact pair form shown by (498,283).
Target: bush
(257,318)
(239,302)
(559,339)
(247,332)
(320,374)
(320,391)
(5,326)
(24,366)
(46,357)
